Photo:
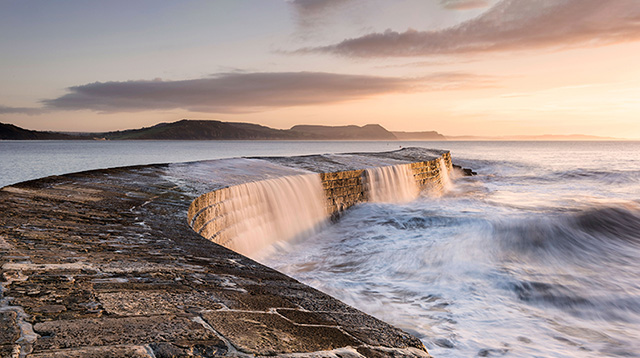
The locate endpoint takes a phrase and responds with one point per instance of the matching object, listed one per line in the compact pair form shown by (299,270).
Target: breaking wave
(536,256)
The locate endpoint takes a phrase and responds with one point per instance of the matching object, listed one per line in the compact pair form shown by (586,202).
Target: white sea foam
(264,212)
(393,183)
(445,178)
(535,256)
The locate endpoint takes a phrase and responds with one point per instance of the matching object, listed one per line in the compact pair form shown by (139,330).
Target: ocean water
(25,160)
(537,256)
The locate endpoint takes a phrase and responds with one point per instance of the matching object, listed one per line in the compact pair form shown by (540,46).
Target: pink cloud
(510,25)
(250,92)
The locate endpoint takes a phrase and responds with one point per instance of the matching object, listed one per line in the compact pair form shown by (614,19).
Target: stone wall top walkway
(103,264)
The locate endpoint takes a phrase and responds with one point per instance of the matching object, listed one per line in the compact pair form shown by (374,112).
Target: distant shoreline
(218,130)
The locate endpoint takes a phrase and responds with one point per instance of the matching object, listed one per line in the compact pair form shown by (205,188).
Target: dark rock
(488,352)
(444,343)
(9,329)
(465,171)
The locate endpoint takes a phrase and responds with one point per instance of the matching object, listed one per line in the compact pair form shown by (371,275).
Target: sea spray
(445,178)
(535,257)
(391,184)
(264,212)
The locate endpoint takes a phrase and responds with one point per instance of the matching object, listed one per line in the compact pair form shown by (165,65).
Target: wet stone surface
(104,264)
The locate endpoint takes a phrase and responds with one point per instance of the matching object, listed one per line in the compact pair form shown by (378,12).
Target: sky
(460,67)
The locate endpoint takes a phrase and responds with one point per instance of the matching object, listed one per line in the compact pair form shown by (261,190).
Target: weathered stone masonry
(347,188)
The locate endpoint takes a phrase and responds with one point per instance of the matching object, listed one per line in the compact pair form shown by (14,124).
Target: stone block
(375,332)
(137,303)
(306,317)
(311,300)
(106,331)
(269,334)
(253,301)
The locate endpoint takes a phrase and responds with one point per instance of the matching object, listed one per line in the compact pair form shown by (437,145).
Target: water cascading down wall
(249,217)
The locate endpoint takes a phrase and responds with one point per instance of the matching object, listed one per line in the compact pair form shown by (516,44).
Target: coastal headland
(105,263)
(217,130)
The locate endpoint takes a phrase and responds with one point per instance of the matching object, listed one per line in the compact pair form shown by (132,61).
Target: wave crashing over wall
(445,178)
(393,183)
(267,211)
(247,218)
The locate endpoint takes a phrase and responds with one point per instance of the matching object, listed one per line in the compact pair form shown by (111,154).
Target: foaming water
(394,183)
(263,212)
(445,177)
(535,257)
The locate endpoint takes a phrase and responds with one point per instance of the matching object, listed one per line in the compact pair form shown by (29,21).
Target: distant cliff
(9,131)
(217,130)
(201,130)
(431,135)
(214,130)
(367,132)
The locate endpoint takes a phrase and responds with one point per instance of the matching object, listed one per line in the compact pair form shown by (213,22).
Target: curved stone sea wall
(103,264)
(220,216)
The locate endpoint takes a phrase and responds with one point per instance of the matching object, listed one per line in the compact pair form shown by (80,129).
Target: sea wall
(212,216)
(103,264)
(428,174)
(342,190)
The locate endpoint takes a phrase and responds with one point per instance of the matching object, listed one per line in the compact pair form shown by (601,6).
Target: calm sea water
(25,160)
(537,256)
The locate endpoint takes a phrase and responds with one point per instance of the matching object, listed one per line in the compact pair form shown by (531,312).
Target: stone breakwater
(241,217)
(104,264)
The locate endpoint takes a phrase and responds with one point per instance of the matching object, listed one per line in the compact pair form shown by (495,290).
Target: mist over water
(537,256)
